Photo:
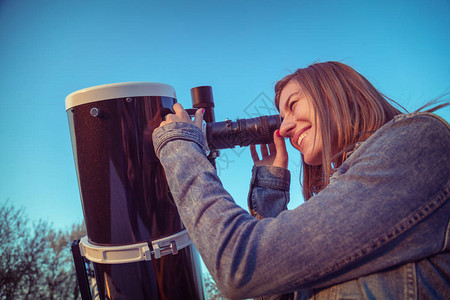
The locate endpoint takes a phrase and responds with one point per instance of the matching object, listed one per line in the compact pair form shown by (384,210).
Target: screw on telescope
(95,112)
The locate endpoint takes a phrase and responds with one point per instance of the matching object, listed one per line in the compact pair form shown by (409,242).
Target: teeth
(304,134)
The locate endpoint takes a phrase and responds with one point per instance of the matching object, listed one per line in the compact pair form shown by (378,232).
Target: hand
(277,157)
(181,115)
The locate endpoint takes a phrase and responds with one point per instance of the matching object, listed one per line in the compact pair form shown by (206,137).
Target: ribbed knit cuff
(176,131)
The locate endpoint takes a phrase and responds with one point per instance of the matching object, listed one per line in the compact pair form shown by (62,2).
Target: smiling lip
(301,137)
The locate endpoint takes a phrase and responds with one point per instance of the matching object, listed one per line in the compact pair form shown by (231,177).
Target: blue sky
(49,49)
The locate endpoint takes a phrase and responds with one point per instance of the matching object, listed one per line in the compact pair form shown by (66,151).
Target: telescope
(136,246)
(228,134)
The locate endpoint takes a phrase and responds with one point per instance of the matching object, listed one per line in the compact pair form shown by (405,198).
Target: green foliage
(211,290)
(35,260)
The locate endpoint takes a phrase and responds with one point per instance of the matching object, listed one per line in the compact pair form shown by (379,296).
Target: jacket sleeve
(388,206)
(267,197)
(269,191)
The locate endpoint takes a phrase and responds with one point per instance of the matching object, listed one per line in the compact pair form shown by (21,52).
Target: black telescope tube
(243,132)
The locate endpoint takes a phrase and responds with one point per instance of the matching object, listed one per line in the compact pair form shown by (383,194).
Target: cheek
(313,153)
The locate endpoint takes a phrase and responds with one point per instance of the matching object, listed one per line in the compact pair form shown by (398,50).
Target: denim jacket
(379,230)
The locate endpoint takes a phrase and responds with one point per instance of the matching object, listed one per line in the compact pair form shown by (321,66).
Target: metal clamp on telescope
(134,252)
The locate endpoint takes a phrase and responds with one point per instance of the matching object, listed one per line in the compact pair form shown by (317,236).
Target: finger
(170,118)
(177,107)
(281,158)
(253,153)
(264,151)
(198,119)
(180,112)
(272,149)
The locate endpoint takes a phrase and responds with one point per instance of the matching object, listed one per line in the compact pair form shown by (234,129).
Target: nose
(286,127)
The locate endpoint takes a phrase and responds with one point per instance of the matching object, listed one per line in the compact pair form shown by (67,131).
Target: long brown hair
(342,98)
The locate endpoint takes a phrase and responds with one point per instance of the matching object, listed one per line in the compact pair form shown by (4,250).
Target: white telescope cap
(119,90)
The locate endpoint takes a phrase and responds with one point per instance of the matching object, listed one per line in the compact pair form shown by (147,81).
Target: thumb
(198,119)
(281,158)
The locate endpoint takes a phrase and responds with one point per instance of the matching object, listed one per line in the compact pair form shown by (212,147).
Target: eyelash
(291,105)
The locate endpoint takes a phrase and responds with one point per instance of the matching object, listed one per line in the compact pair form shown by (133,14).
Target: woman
(376,223)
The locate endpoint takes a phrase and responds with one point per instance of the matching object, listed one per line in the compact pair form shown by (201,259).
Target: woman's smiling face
(300,123)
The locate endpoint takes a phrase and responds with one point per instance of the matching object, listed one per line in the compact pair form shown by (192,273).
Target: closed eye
(291,105)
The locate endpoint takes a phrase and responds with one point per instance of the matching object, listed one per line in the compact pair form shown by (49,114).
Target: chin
(312,161)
